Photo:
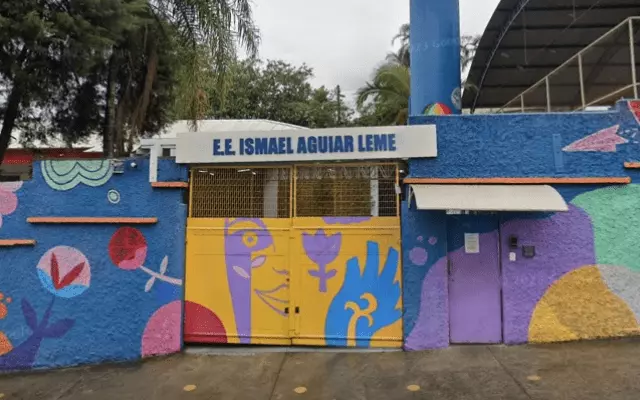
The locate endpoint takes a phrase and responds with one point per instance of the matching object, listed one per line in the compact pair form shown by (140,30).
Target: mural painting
(245,296)
(8,198)
(582,282)
(73,298)
(285,285)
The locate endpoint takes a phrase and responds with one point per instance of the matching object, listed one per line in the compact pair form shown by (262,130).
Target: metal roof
(527,39)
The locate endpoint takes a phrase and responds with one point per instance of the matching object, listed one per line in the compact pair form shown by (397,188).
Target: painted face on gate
(248,243)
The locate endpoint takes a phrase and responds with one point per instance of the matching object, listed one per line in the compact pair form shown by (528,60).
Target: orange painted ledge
(17,242)
(520,181)
(91,220)
(181,185)
(632,165)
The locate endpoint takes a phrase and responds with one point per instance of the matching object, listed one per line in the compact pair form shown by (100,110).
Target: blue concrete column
(435,57)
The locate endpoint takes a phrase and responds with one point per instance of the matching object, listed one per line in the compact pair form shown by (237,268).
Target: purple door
(475,305)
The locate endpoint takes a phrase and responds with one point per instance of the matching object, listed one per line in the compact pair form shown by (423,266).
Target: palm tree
(402,55)
(389,94)
(210,32)
(468,47)
(207,35)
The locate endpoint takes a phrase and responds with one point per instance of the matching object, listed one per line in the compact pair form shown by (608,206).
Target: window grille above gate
(299,191)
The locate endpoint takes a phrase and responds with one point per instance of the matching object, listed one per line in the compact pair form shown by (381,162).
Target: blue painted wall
(520,145)
(106,312)
(435,54)
(589,248)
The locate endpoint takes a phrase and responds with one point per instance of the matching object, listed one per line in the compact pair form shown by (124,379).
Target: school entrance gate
(294,255)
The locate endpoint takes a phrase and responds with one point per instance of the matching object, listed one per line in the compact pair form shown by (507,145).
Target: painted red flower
(128,248)
(64,281)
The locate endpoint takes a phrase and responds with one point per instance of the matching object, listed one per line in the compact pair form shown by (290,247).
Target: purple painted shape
(563,243)
(418,256)
(431,330)
(344,220)
(322,249)
(474,293)
(239,245)
(24,355)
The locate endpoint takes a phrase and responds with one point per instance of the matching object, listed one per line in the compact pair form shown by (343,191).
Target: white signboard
(471,243)
(397,142)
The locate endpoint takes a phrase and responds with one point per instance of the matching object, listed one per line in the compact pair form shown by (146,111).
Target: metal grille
(341,191)
(240,192)
(320,191)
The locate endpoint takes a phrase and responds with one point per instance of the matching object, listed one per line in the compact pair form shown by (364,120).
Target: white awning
(488,198)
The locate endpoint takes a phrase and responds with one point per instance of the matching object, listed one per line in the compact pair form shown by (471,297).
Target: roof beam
(552,66)
(516,28)
(576,8)
(550,47)
(503,32)
(517,86)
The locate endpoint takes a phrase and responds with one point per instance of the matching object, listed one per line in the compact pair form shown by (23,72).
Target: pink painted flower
(8,198)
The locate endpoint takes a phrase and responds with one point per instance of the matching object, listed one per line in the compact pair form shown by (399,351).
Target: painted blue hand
(366,302)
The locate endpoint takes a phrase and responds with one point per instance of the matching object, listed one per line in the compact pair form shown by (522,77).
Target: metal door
(475,305)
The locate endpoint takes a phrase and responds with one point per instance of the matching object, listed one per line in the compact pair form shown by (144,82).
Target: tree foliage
(388,94)
(277,91)
(119,68)
(48,46)
(385,98)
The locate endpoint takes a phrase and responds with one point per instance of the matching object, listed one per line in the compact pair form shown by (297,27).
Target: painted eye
(250,239)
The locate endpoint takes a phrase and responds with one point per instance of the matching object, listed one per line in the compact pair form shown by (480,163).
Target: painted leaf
(29,314)
(71,276)
(59,328)
(164,264)
(55,271)
(149,284)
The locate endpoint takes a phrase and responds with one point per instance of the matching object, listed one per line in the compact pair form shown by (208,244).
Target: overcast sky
(343,40)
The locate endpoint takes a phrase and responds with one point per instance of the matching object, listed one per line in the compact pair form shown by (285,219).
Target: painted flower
(64,271)
(8,198)
(128,248)
(321,248)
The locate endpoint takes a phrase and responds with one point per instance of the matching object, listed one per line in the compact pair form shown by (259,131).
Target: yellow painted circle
(300,389)
(413,388)
(189,388)
(533,378)
(1,395)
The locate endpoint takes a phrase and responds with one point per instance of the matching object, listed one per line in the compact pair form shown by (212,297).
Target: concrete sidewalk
(585,371)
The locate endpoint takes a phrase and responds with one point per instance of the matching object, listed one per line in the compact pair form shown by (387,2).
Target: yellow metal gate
(304,255)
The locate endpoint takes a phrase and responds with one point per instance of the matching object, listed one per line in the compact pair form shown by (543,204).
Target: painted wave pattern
(67,174)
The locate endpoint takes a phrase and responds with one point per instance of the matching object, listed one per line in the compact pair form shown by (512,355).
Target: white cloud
(343,40)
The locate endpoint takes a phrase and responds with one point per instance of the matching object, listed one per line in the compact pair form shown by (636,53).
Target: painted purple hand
(322,249)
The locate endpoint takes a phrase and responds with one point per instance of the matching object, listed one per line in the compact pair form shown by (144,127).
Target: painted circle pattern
(128,248)
(113,196)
